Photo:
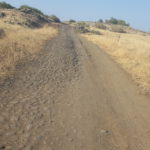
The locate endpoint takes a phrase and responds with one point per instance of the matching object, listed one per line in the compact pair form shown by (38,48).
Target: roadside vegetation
(17,44)
(116,22)
(100,26)
(83,28)
(130,50)
(19,41)
(118,29)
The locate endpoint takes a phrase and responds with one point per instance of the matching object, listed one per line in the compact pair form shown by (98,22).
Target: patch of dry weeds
(20,43)
(132,51)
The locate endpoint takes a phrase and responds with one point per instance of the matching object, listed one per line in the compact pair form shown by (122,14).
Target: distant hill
(25,16)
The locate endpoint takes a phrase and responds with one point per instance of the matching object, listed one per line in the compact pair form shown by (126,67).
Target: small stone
(71,139)
(44,142)
(2,147)
(29,127)
(52,121)
(104,131)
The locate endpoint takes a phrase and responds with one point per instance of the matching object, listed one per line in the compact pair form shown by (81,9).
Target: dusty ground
(72,97)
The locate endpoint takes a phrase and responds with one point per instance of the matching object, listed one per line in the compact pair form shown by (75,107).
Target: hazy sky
(136,12)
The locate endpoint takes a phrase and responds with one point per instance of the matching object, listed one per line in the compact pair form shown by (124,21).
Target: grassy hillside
(131,49)
(23,33)
(18,43)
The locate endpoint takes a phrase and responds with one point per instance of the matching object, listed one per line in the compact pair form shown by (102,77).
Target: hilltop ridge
(25,16)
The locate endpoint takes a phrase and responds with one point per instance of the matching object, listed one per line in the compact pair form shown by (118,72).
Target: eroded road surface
(72,96)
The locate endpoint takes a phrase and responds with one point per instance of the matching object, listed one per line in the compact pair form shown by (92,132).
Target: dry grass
(19,43)
(132,51)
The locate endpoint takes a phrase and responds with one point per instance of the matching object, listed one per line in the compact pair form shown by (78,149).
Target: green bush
(31,8)
(82,28)
(72,21)
(122,22)
(100,26)
(112,21)
(54,18)
(6,5)
(83,24)
(117,29)
(100,20)
(116,21)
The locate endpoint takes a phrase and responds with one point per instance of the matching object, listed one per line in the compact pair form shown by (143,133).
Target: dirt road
(72,97)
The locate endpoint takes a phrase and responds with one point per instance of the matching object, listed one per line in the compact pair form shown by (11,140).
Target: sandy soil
(72,97)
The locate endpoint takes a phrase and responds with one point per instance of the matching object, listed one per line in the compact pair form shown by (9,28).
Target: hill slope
(26,18)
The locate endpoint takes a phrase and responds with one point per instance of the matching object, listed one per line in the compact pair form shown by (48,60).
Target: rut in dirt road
(73,97)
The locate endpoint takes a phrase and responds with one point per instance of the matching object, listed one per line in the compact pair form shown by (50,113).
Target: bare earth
(72,97)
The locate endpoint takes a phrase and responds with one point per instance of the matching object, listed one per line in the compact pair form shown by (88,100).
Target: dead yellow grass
(19,44)
(132,51)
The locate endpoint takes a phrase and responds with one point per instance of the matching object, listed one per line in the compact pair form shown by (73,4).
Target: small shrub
(83,24)
(100,20)
(2,33)
(123,23)
(117,29)
(112,21)
(116,21)
(2,14)
(81,28)
(72,21)
(54,18)
(95,32)
(101,26)
(6,5)
(26,7)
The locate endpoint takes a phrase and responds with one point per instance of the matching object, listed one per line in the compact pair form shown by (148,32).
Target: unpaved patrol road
(72,96)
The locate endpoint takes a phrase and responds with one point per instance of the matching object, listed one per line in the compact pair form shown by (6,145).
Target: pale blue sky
(136,12)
